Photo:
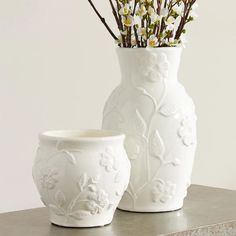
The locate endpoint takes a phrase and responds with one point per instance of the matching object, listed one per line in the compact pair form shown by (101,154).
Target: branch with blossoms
(150,23)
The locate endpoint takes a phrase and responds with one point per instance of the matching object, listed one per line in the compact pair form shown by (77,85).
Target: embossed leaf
(109,206)
(92,188)
(157,147)
(133,148)
(139,123)
(73,203)
(168,110)
(82,181)
(176,162)
(70,157)
(79,215)
(60,198)
(56,210)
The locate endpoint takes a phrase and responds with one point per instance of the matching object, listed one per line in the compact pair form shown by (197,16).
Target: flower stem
(188,6)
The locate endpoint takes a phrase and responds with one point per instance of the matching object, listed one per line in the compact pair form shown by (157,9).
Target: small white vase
(81,176)
(158,117)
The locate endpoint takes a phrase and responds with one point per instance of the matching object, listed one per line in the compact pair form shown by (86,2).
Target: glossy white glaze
(158,117)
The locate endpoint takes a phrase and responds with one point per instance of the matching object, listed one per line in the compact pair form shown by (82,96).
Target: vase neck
(149,65)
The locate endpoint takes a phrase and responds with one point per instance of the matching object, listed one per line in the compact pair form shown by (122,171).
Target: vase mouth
(87,135)
(150,49)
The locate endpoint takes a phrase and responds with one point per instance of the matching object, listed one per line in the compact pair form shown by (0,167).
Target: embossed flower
(48,178)
(186,130)
(98,199)
(154,67)
(163,191)
(108,160)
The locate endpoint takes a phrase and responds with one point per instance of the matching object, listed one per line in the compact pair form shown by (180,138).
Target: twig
(103,20)
(121,24)
(136,36)
(188,6)
(135,5)
(118,21)
(115,15)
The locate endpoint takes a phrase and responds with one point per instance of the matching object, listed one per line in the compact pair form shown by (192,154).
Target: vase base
(85,223)
(151,210)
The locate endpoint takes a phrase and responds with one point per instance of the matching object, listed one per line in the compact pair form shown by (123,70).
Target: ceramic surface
(158,117)
(81,176)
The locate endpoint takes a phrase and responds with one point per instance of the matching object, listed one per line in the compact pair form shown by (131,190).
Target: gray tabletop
(207,211)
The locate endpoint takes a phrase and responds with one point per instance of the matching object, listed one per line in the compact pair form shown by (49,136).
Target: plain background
(58,66)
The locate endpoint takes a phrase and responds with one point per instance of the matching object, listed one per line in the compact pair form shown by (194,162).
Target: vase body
(81,176)
(158,117)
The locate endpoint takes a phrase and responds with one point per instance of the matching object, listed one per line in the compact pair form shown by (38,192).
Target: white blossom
(142,32)
(178,9)
(155,18)
(170,23)
(164,12)
(128,21)
(141,11)
(152,41)
(125,10)
(151,10)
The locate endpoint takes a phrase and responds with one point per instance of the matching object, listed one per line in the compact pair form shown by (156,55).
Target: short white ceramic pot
(81,176)
(158,117)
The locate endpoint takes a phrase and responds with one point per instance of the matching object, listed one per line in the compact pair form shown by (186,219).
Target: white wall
(58,65)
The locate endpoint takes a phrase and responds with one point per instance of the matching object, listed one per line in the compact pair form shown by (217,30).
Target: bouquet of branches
(150,23)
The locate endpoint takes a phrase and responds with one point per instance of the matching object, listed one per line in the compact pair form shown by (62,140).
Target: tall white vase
(158,117)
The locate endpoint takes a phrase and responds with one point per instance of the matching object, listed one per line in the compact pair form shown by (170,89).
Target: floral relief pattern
(186,132)
(162,191)
(149,144)
(90,200)
(157,147)
(168,110)
(154,67)
(48,178)
(98,200)
(108,160)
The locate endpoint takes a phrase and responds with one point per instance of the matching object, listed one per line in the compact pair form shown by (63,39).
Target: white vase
(158,117)
(81,176)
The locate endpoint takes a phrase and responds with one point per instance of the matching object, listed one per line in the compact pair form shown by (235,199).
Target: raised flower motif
(108,160)
(186,130)
(48,178)
(90,200)
(158,67)
(163,191)
(98,200)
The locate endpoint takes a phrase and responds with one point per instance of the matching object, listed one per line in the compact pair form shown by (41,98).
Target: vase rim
(81,135)
(150,49)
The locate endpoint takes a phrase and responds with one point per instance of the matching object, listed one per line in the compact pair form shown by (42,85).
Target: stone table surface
(206,211)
